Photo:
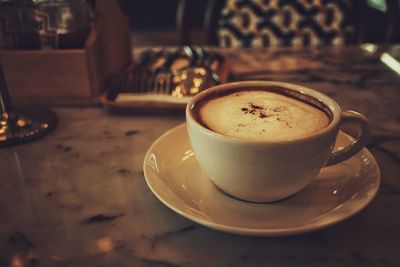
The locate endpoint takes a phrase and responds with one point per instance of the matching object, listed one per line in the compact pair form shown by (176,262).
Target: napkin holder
(71,76)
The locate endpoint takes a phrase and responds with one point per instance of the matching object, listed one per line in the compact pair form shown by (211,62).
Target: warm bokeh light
(17,261)
(104,244)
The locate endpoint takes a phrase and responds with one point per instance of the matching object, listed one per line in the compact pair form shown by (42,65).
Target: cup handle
(360,141)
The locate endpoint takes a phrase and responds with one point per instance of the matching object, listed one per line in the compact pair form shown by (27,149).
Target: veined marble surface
(78,196)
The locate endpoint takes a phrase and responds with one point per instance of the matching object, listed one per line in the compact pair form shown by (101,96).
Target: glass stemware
(24,124)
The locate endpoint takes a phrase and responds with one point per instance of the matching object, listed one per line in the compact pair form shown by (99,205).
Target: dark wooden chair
(360,16)
(391,31)
(210,21)
(393,21)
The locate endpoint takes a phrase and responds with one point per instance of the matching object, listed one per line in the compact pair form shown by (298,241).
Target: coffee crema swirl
(269,114)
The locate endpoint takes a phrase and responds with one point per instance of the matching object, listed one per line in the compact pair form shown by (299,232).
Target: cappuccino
(269,114)
(264,141)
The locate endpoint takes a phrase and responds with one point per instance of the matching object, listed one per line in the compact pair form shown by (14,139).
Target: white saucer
(340,191)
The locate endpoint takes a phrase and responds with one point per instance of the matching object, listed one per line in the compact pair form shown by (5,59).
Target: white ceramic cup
(263,171)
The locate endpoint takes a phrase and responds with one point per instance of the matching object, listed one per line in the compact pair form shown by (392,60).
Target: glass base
(25,125)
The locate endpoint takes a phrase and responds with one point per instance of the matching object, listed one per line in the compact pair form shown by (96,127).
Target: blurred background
(158,22)
(168,48)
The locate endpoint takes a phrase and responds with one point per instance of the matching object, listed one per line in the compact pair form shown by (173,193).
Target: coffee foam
(261,115)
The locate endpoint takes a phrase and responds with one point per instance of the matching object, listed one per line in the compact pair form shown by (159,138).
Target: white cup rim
(324,99)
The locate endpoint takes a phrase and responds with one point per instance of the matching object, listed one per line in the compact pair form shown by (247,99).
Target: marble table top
(77,197)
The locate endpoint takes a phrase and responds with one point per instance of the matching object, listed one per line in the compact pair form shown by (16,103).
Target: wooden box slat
(49,73)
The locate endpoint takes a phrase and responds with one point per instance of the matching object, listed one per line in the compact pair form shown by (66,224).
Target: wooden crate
(71,76)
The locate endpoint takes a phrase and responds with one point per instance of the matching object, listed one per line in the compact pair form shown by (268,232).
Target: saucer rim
(257,231)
